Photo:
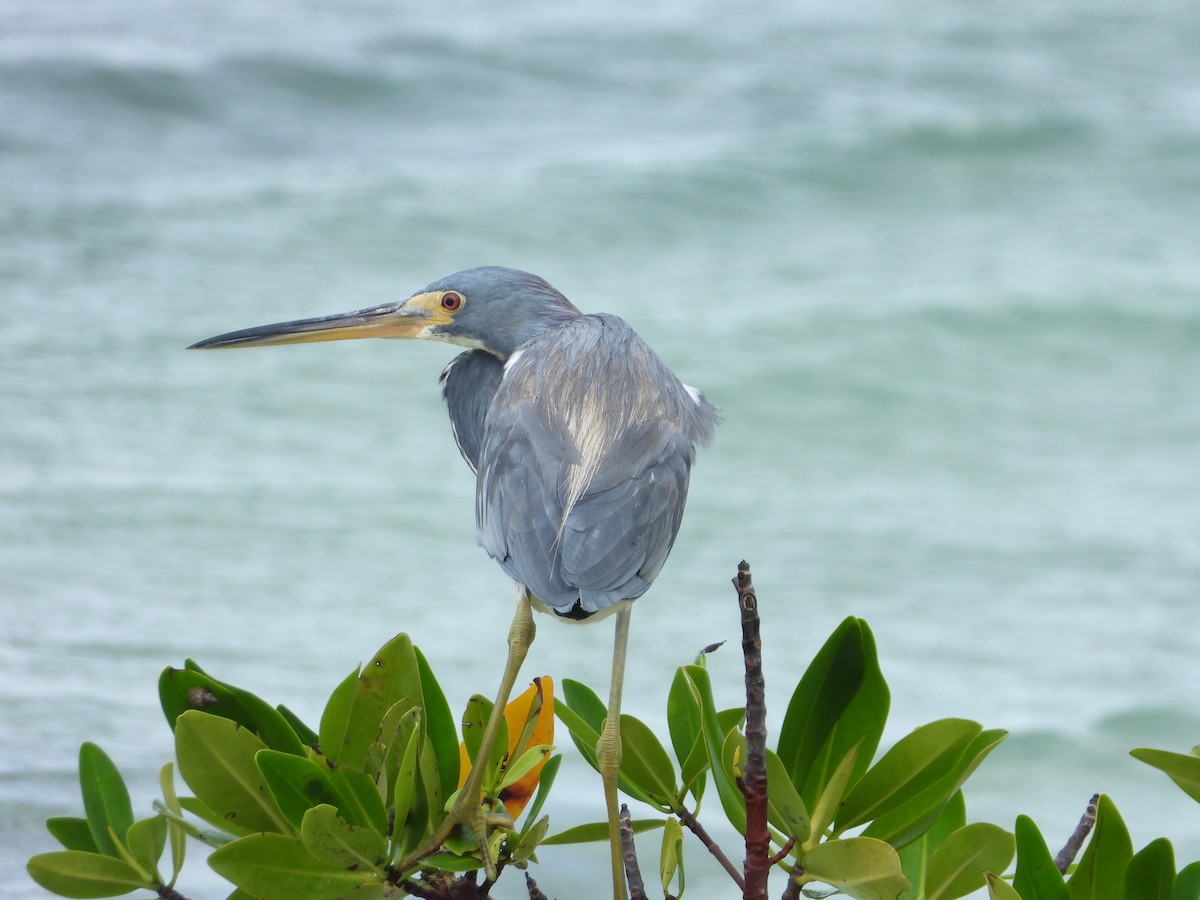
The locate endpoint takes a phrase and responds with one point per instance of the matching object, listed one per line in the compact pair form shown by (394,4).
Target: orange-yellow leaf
(535,705)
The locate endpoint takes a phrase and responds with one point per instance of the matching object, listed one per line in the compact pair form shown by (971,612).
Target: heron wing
(584,467)
(469,383)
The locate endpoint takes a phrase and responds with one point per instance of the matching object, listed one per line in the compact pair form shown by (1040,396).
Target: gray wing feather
(584,467)
(469,383)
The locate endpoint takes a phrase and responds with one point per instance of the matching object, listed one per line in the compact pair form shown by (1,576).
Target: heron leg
(467,810)
(608,749)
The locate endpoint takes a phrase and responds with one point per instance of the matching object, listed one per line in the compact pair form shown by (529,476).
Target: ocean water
(938,264)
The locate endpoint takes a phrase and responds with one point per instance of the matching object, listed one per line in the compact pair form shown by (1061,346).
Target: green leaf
(297,784)
(684,724)
(474,725)
(644,761)
(336,716)
(860,867)
(409,815)
(190,688)
(1150,874)
(957,866)
(785,808)
(307,736)
(598,831)
(918,760)
(277,867)
(1187,883)
(216,759)
(75,873)
(105,797)
(1183,768)
(530,838)
(1036,878)
(175,829)
(362,804)
(440,727)
(545,783)
(146,840)
(519,768)
(831,797)
(670,861)
(578,710)
(841,700)
(999,889)
(73,832)
(391,677)
(913,817)
(1100,873)
(333,840)
(915,856)
(732,801)
(228,829)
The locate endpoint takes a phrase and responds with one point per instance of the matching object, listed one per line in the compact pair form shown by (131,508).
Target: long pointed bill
(394,320)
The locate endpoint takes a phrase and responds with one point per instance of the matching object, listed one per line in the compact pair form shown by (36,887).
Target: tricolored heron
(581,440)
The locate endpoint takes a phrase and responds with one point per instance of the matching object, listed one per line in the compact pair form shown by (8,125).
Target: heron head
(490,308)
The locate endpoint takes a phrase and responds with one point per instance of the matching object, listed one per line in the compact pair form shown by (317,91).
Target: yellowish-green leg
(608,749)
(467,810)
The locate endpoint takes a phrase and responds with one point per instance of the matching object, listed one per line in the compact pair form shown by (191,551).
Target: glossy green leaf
(335,719)
(918,760)
(391,677)
(545,782)
(440,727)
(306,735)
(277,867)
(361,802)
(598,831)
(831,797)
(175,829)
(333,840)
(530,838)
(1100,872)
(670,860)
(146,840)
(72,832)
(999,889)
(912,818)
(105,797)
(75,873)
(227,827)
(957,866)
(732,801)
(452,862)
(1183,768)
(474,725)
(684,725)
(915,856)
(644,761)
(519,768)
(785,808)
(297,784)
(1036,878)
(583,713)
(191,688)
(1150,874)
(409,821)
(841,700)
(1187,883)
(860,867)
(216,759)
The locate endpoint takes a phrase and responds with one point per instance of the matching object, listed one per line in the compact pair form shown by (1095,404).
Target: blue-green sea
(938,264)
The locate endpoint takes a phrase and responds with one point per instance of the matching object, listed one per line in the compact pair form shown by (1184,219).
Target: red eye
(451,301)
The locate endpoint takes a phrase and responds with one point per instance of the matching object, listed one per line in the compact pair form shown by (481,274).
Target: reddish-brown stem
(757,865)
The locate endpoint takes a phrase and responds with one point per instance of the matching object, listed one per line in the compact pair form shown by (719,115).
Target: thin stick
(693,825)
(633,874)
(535,892)
(757,865)
(1070,850)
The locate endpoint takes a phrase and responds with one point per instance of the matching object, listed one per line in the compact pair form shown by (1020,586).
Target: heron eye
(451,301)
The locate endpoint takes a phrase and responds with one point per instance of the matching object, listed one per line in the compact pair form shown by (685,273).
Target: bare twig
(169,893)
(792,891)
(693,825)
(783,852)
(1070,850)
(757,864)
(633,874)
(534,892)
